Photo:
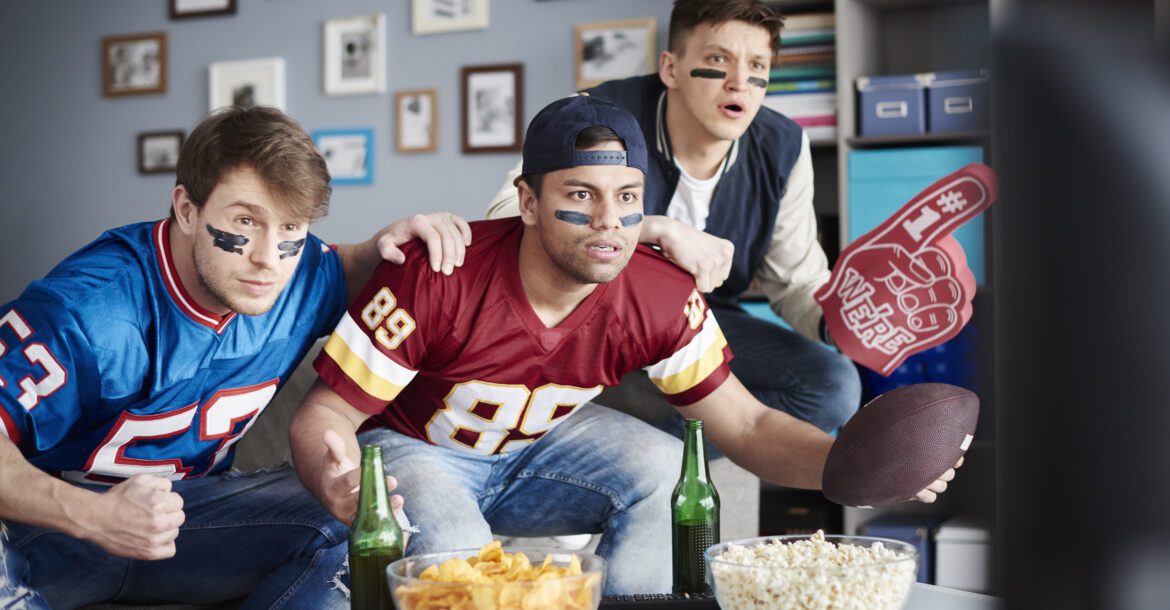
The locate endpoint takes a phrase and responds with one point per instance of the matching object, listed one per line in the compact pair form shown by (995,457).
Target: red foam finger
(905,286)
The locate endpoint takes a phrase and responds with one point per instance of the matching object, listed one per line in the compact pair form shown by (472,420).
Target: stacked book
(803,82)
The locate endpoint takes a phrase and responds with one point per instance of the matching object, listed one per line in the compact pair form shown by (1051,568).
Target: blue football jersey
(108,368)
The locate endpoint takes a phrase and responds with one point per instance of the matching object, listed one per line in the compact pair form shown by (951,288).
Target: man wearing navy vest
(729,198)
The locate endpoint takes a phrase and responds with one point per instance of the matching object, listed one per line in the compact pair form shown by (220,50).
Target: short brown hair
(589,138)
(689,14)
(265,140)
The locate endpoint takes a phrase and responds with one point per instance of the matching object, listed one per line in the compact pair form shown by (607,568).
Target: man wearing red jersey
(477,385)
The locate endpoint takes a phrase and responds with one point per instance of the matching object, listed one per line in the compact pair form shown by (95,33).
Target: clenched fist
(138,518)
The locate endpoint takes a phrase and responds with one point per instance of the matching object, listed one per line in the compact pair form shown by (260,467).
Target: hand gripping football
(904,286)
(899,443)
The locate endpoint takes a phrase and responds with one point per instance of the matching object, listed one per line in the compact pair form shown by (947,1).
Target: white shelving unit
(878,37)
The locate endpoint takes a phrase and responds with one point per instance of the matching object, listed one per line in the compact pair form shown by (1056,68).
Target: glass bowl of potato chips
(498,578)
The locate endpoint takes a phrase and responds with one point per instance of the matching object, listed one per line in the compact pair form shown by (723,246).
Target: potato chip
(497,580)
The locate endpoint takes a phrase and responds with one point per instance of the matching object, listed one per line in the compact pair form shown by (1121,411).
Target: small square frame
(189,9)
(427,17)
(416,134)
(158,151)
(349,154)
(355,55)
(134,64)
(492,120)
(632,51)
(227,80)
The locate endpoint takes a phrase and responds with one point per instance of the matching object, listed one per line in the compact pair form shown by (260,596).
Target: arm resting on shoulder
(446,235)
(795,265)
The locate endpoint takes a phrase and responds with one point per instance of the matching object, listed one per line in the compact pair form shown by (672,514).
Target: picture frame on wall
(609,50)
(134,64)
(349,154)
(355,55)
(186,9)
(416,121)
(439,16)
(492,107)
(247,83)
(158,151)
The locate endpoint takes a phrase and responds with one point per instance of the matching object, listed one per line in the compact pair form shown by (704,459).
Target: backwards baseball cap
(550,143)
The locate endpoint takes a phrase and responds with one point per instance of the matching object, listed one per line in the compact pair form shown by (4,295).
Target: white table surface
(930,597)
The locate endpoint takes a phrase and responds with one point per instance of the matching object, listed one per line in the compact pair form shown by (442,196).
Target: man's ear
(186,212)
(527,202)
(667,64)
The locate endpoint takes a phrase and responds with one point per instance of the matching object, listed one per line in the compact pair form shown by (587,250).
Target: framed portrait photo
(349,154)
(416,121)
(158,151)
(438,16)
(247,83)
(355,55)
(608,50)
(134,64)
(492,108)
(184,9)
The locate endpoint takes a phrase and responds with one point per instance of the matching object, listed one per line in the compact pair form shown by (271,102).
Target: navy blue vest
(747,198)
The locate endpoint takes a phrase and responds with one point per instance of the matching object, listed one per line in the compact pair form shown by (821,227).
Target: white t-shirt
(691,203)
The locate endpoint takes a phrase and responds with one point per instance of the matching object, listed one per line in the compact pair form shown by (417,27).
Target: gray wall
(69,153)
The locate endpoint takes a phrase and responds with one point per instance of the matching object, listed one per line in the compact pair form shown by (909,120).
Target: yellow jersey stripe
(697,371)
(356,369)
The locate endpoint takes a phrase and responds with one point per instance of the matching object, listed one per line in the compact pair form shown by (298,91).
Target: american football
(899,443)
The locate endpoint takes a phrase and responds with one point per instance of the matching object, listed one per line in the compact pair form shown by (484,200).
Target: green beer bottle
(694,511)
(375,539)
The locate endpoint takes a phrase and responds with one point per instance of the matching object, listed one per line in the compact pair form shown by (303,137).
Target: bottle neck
(372,498)
(694,465)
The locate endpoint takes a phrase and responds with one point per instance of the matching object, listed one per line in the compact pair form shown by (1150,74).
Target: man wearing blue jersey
(129,372)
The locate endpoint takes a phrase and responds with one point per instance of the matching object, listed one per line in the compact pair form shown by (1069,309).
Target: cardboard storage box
(957,101)
(892,105)
(963,556)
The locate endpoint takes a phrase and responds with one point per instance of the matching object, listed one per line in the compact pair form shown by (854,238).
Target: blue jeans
(788,372)
(258,535)
(598,472)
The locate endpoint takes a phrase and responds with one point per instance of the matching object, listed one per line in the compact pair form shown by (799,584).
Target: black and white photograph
(187,9)
(355,55)
(492,107)
(158,151)
(349,154)
(134,64)
(415,121)
(247,83)
(438,16)
(609,50)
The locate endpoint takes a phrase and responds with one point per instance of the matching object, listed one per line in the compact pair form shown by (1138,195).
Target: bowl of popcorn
(812,572)
(497,578)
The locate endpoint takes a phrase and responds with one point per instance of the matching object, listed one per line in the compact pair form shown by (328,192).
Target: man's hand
(699,253)
(341,478)
(138,518)
(905,287)
(932,491)
(446,235)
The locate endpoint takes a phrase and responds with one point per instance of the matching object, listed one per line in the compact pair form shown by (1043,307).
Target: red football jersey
(463,361)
